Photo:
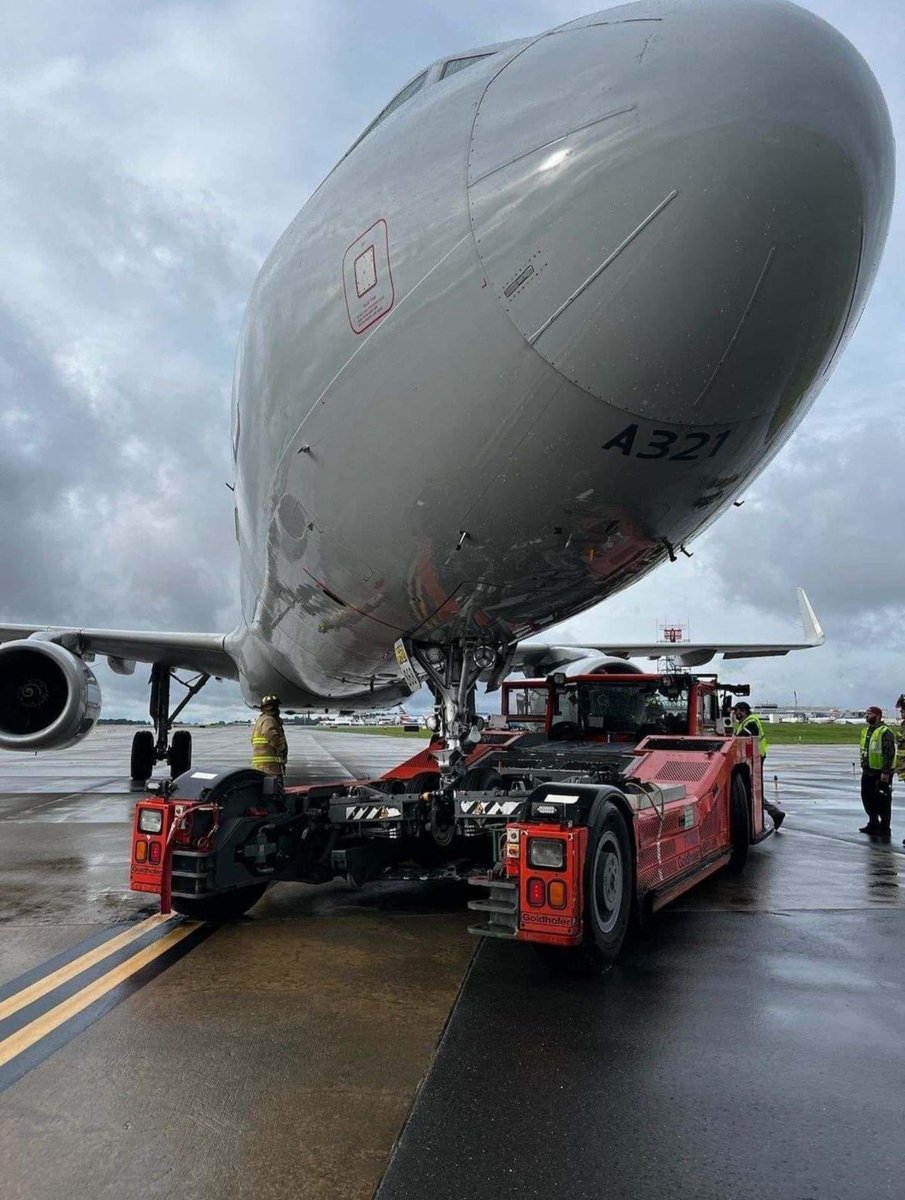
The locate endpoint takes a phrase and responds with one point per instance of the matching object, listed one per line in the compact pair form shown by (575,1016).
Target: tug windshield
(528,704)
(632,709)
(637,709)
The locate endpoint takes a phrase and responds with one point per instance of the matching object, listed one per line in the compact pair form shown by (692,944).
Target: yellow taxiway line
(26,1037)
(69,971)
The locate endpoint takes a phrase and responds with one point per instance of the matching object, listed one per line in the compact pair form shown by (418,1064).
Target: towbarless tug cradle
(591,800)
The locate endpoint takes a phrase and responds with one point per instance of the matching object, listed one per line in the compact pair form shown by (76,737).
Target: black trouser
(772,810)
(876,796)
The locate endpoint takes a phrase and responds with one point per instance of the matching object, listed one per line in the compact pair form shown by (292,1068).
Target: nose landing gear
(452,672)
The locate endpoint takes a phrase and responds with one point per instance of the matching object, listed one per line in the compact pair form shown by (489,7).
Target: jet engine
(594,665)
(49,698)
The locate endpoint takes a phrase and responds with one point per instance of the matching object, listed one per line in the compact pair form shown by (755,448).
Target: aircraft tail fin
(813,630)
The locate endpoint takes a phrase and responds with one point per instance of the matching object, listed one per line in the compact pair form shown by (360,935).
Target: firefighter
(749,724)
(269,749)
(878,756)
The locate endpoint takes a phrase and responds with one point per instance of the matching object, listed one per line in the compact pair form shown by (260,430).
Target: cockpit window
(459,64)
(398,100)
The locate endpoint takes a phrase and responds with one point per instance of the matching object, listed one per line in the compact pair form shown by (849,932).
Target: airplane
(557,306)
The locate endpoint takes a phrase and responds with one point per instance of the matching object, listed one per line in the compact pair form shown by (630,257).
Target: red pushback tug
(589,800)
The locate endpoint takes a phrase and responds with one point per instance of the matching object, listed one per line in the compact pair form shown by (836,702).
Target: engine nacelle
(595,665)
(49,698)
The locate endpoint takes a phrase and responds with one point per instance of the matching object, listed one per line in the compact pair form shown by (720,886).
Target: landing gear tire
(180,753)
(391,787)
(482,779)
(142,762)
(609,887)
(217,909)
(739,823)
(427,781)
(442,821)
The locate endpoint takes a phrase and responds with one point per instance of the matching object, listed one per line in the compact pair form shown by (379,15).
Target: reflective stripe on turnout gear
(758,724)
(872,747)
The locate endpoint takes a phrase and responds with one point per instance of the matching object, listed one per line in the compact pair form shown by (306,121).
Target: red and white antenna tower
(672,633)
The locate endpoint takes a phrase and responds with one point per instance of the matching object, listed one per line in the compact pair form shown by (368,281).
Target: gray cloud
(152,155)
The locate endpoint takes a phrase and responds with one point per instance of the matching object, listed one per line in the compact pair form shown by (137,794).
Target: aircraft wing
(204,652)
(540,657)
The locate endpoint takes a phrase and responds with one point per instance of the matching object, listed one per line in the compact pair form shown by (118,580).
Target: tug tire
(739,823)
(609,898)
(609,884)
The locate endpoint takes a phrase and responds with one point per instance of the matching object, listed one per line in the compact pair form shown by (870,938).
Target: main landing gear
(452,672)
(150,748)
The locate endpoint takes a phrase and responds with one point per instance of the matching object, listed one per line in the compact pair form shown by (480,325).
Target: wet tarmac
(335,1042)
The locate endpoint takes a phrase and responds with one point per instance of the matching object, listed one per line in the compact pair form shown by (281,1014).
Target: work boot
(778,818)
(868,828)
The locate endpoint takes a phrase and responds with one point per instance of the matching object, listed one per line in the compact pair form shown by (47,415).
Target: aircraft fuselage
(540,326)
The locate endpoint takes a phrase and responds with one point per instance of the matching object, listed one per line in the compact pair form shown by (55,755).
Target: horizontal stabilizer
(203,652)
(541,658)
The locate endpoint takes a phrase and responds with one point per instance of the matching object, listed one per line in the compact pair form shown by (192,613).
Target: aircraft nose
(682,207)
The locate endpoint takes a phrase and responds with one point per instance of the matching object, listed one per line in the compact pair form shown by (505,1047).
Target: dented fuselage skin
(540,326)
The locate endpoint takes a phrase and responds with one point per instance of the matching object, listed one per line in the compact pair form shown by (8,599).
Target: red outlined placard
(367,278)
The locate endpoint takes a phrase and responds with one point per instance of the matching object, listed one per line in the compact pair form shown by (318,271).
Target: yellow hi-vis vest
(872,746)
(761,733)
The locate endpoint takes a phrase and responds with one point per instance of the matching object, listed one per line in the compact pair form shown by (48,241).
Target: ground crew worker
(878,756)
(749,724)
(900,739)
(269,749)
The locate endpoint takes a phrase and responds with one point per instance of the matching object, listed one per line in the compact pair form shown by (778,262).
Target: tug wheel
(609,888)
(215,909)
(180,755)
(609,883)
(739,823)
(141,766)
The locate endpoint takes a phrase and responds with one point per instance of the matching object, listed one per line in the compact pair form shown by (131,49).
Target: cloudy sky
(152,152)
